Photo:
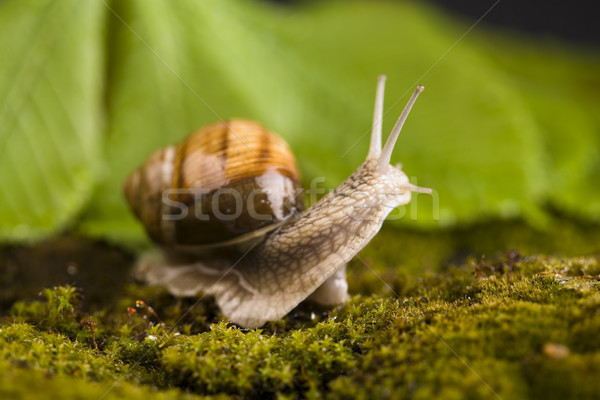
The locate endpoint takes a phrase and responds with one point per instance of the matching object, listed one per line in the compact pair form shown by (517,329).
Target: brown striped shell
(227,183)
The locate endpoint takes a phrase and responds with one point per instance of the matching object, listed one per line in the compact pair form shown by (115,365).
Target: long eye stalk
(386,153)
(375,147)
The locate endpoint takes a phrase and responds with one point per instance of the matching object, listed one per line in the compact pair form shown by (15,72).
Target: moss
(26,383)
(503,324)
(54,354)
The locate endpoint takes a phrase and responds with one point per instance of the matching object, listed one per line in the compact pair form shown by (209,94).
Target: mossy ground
(484,312)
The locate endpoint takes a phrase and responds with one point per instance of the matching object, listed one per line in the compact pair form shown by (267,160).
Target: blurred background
(573,22)
(508,128)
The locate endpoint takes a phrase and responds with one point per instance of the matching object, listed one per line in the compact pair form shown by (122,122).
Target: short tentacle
(418,189)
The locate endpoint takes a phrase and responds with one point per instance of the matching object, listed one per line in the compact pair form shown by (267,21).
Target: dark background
(575,21)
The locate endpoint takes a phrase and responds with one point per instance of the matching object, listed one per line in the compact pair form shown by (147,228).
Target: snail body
(302,255)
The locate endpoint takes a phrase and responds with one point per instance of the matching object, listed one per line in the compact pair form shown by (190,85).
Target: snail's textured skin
(280,272)
(306,255)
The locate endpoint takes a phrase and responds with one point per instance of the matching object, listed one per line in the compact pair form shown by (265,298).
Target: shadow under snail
(225,205)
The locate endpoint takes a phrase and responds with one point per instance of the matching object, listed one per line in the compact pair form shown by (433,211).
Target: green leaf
(560,88)
(310,78)
(469,137)
(486,146)
(178,67)
(50,121)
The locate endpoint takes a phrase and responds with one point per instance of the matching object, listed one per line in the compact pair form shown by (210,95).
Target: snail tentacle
(375,146)
(386,153)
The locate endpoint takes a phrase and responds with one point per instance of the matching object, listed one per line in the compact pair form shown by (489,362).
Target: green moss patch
(508,327)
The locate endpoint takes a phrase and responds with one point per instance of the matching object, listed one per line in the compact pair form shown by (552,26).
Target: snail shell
(305,256)
(226,184)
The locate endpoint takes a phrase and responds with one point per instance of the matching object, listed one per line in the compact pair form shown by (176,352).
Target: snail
(225,206)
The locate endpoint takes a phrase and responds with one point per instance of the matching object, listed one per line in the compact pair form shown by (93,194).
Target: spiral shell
(220,185)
